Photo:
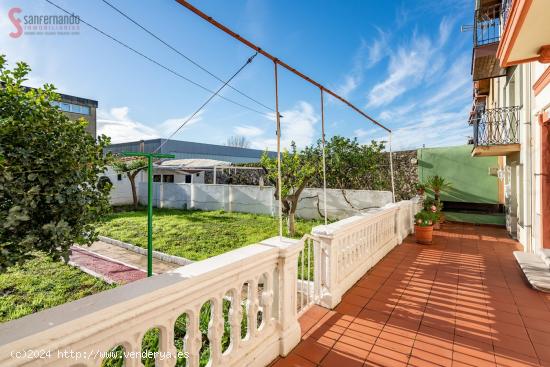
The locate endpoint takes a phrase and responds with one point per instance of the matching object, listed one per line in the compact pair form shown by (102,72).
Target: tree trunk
(437,195)
(291,224)
(132,179)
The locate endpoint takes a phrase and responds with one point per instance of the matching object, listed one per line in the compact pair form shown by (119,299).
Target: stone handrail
(122,316)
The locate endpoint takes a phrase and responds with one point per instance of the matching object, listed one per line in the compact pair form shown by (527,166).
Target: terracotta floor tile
(306,323)
(421,358)
(312,350)
(517,345)
(399,346)
(356,300)
(442,351)
(461,359)
(316,312)
(502,329)
(353,347)
(367,335)
(293,360)
(348,309)
(380,356)
(539,337)
(511,359)
(543,352)
(338,359)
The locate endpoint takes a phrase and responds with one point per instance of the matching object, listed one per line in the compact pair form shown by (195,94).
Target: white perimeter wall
(247,199)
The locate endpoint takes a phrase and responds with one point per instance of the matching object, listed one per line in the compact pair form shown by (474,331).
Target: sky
(403,62)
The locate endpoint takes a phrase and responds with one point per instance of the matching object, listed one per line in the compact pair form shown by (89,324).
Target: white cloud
(169,126)
(351,83)
(297,124)
(433,128)
(406,70)
(248,131)
(366,56)
(378,48)
(418,62)
(117,124)
(370,133)
(120,127)
(455,81)
(445,28)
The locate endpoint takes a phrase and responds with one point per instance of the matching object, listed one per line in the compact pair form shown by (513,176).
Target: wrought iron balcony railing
(496,126)
(506,7)
(487,25)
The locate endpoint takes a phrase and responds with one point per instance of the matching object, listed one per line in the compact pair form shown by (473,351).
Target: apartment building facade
(78,107)
(511,109)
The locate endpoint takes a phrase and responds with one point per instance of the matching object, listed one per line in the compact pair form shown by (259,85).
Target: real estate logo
(43,25)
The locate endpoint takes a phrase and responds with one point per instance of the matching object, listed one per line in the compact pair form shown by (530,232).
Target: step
(535,269)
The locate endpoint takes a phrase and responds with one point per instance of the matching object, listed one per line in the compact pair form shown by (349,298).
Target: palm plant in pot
(423,226)
(438,185)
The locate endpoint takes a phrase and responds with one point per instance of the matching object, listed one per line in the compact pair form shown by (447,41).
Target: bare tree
(238,142)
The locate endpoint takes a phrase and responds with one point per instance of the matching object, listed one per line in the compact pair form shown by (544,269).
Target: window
(168,178)
(156,178)
(119,177)
(187,178)
(71,107)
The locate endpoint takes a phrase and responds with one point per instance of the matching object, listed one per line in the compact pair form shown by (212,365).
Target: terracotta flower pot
(424,234)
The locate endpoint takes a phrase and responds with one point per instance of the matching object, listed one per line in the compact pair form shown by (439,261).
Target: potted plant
(420,188)
(423,226)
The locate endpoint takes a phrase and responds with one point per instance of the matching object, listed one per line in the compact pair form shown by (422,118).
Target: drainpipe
(528,177)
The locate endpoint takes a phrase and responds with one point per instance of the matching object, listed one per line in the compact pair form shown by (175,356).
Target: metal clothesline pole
(149,157)
(276,60)
(391,170)
(324,157)
(279,181)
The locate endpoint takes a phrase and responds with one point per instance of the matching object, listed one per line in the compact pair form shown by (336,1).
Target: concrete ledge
(156,254)
(535,270)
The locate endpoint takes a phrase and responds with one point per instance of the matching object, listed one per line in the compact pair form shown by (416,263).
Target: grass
(193,234)
(42,283)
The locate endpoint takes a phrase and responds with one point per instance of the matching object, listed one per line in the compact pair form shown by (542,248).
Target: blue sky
(403,62)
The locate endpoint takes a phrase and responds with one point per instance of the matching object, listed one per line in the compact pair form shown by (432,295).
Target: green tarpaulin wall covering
(469,175)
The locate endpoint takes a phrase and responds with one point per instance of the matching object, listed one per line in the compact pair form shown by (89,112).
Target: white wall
(252,199)
(121,193)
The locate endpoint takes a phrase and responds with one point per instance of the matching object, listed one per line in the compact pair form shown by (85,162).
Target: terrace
(355,292)
(460,302)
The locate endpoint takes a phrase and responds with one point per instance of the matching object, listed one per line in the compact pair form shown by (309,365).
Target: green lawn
(195,235)
(42,283)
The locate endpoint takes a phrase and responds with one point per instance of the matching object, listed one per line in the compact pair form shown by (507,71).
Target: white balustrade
(122,316)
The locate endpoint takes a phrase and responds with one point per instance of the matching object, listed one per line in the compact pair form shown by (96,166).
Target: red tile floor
(461,301)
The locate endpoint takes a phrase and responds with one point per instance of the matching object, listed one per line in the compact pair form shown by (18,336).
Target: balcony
(487,30)
(496,131)
(525,32)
